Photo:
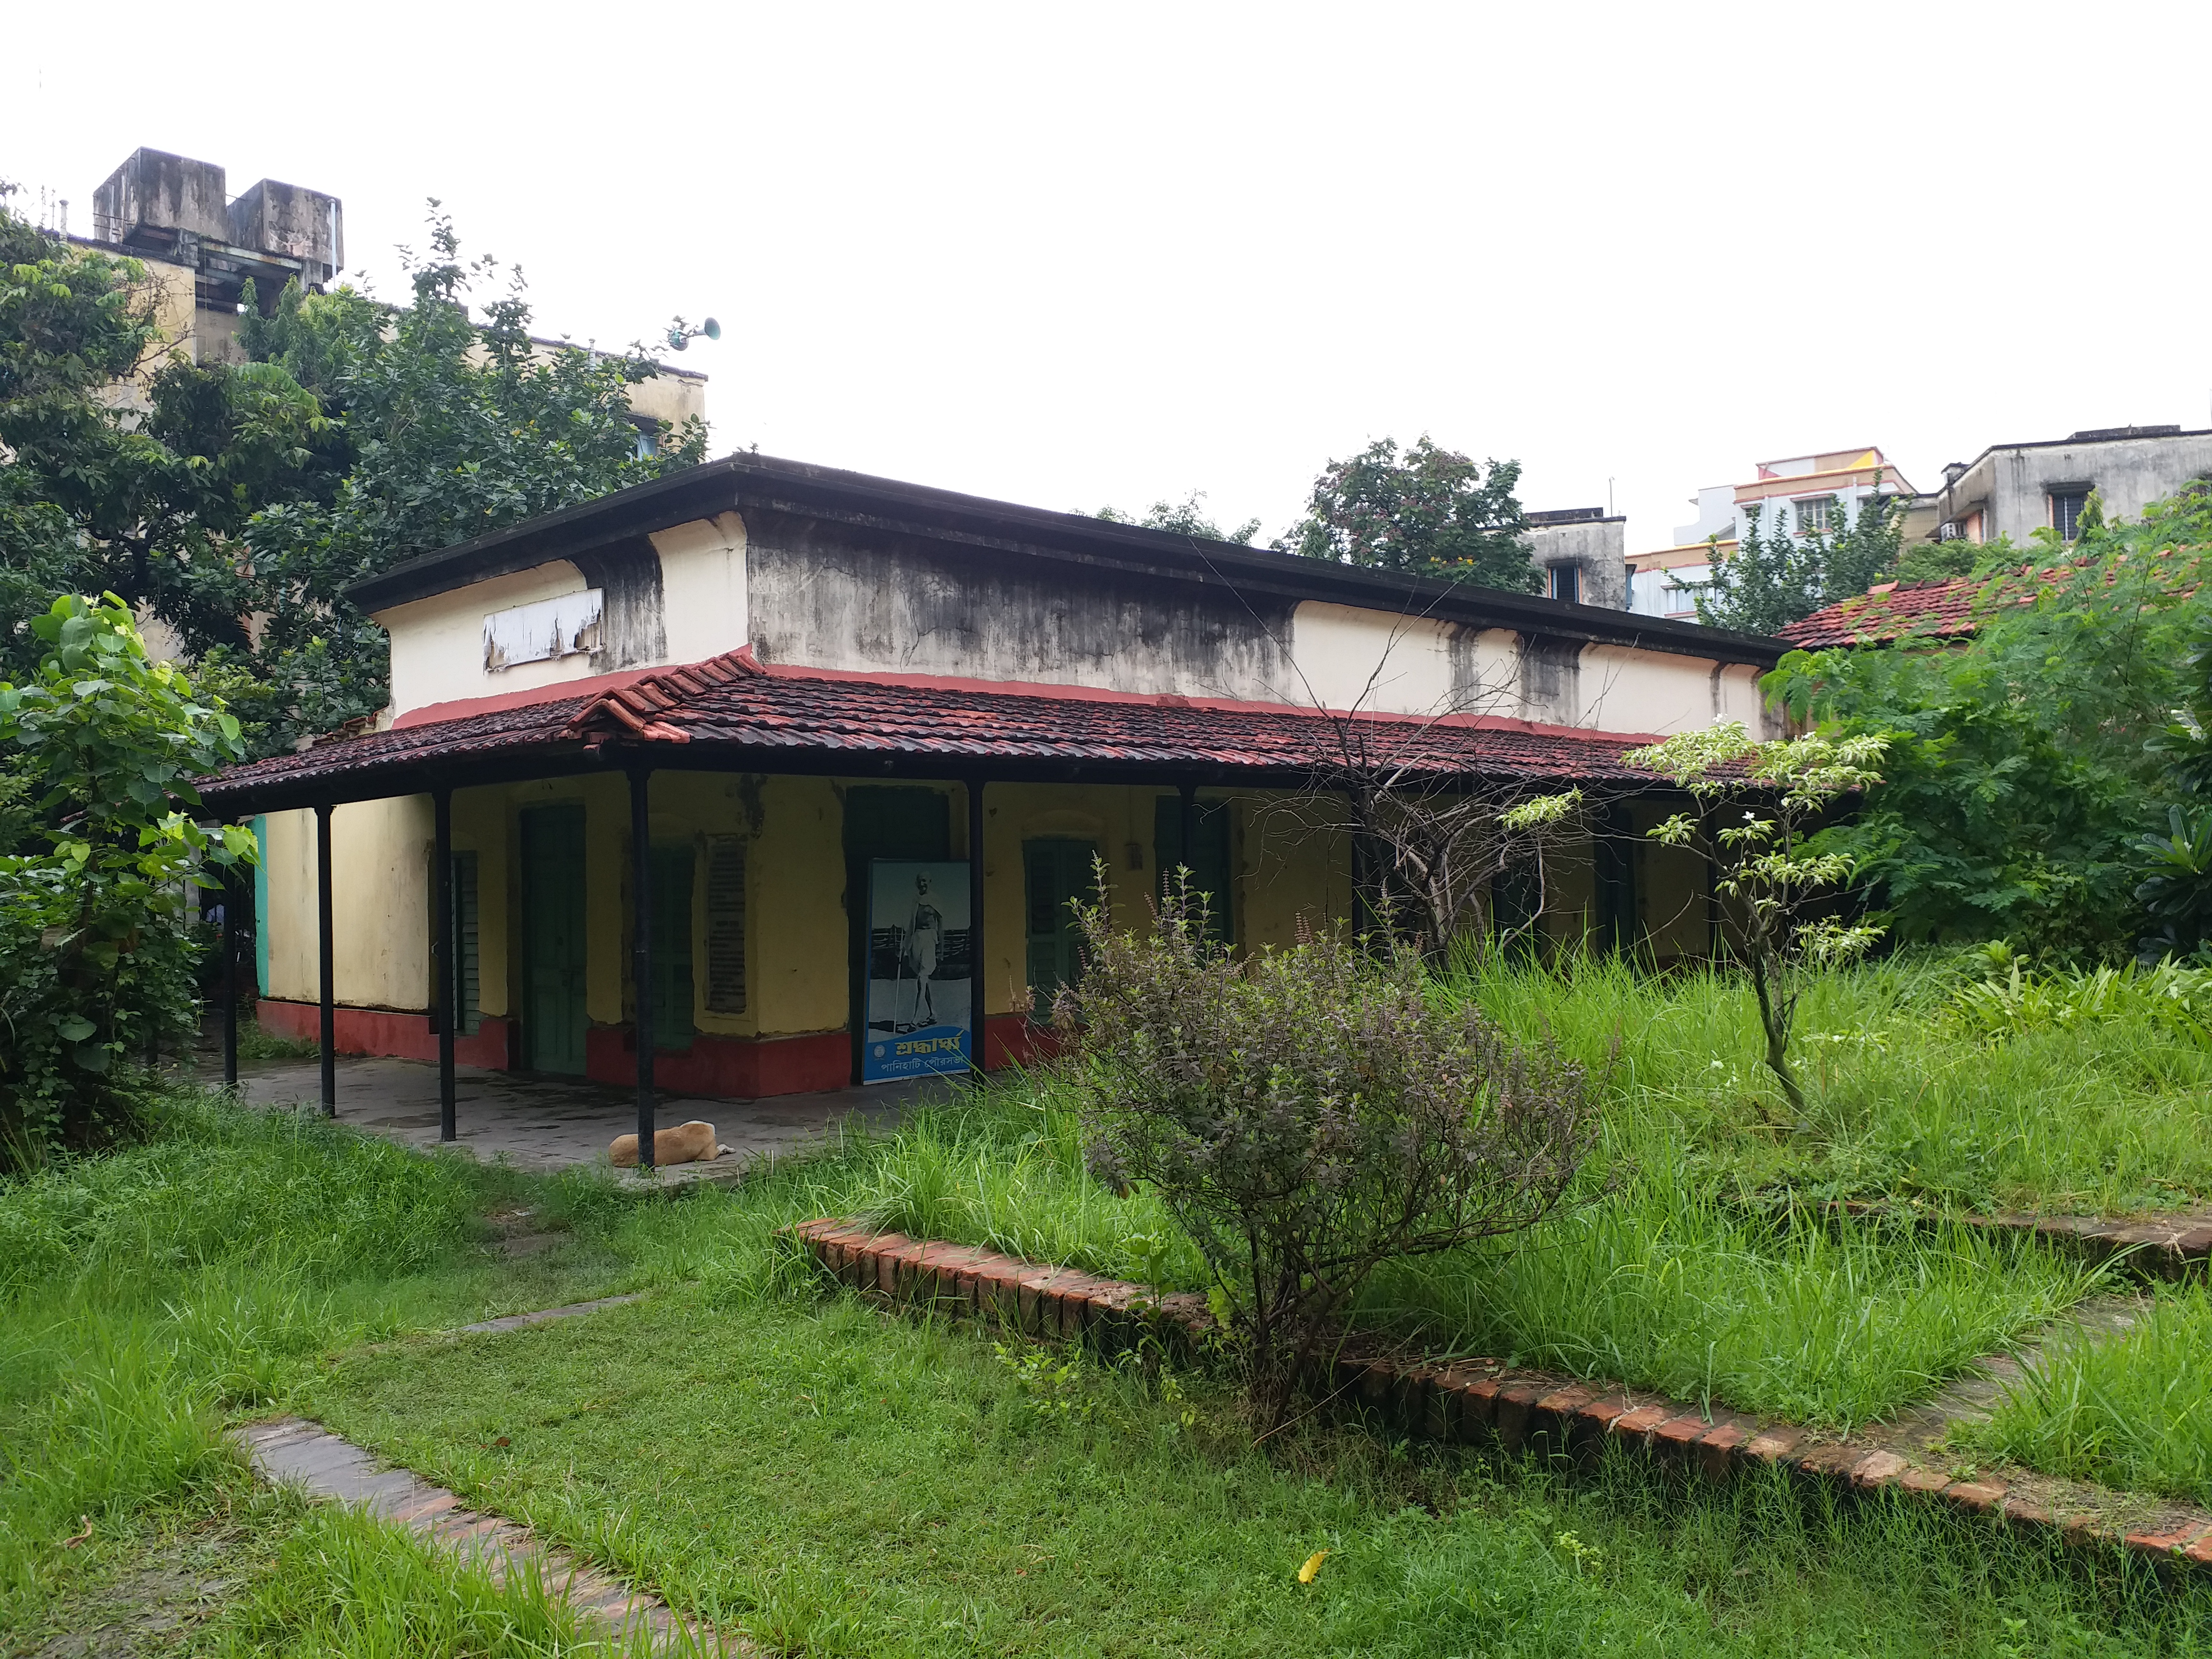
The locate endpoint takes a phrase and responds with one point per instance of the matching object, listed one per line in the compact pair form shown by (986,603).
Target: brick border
(1473,1402)
(2180,1248)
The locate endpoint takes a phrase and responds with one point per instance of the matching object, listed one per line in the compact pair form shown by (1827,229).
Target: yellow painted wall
(1293,857)
(1294,860)
(379,904)
(482,823)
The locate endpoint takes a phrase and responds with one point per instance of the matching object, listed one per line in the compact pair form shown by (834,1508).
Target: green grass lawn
(1911,1095)
(842,1482)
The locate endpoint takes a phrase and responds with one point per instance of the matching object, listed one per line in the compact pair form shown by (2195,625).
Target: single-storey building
(796,768)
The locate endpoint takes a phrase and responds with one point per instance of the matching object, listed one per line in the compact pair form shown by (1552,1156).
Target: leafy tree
(96,952)
(128,470)
(1431,512)
(1186,517)
(232,501)
(1757,806)
(1782,574)
(1307,1116)
(2018,782)
(2176,868)
(450,429)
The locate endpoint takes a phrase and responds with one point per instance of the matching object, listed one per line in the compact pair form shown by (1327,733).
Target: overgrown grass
(1913,1095)
(841,1483)
(1659,1281)
(150,1291)
(2132,1410)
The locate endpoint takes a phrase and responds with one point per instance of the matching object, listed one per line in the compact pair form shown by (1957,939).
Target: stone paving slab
(553,1123)
(296,1452)
(516,1321)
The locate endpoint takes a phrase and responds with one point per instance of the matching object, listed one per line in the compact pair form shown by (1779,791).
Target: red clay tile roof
(1933,610)
(756,714)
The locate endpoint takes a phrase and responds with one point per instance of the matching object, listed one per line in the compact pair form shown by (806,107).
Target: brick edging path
(296,1452)
(2177,1246)
(1478,1401)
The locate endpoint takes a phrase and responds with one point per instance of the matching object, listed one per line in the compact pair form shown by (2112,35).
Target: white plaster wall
(1421,667)
(1370,660)
(437,643)
(379,904)
(1628,690)
(1380,660)
(702,587)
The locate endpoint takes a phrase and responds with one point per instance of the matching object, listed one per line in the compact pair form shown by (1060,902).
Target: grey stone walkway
(550,1123)
(293,1451)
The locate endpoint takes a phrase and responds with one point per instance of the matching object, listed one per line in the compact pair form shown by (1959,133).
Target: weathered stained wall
(823,600)
(2011,486)
(437,643)
(1597,548)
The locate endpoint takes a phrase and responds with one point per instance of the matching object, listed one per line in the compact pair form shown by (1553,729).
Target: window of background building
(1820,512)
(1566,581)
(2066,507)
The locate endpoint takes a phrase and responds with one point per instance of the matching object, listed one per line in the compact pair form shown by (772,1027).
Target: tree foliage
(1184,518)
(451,428)
(1757,806)
(234,501)
(1308,1115)
(1780,573)
(2020,777)
(1431,512)
(128,469)
(96,952)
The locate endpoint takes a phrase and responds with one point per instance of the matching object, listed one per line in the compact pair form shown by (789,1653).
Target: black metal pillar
(443,1004)
(978,1004)
(230,976)
(1187,792)
(329,951)
(641,864)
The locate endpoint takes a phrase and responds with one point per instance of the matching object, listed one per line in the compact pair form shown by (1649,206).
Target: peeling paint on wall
(565,626)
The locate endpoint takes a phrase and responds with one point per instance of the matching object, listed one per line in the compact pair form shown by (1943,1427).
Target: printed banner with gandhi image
(921,970)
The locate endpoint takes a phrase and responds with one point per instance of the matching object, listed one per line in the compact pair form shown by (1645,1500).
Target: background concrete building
(1802,494)
(1581,554)
(200,246)
(2015,490)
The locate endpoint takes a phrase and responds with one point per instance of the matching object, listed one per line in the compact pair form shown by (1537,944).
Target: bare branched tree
(1436,834)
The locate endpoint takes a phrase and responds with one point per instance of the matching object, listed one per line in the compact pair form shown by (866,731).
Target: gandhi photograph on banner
(921,970)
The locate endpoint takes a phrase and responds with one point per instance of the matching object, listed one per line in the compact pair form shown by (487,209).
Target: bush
(1306,1117)
(97,957)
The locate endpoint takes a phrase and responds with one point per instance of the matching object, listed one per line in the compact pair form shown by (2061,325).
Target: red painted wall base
(385,1031)
(726,1068)
(713,1067)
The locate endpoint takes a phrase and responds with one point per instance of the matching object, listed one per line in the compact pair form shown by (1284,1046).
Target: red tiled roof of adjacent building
(1932,610)
(757,714)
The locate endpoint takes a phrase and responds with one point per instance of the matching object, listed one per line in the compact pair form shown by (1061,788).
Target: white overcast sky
(1075,255)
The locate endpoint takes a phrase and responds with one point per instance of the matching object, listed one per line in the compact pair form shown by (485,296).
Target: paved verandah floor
(549,1123)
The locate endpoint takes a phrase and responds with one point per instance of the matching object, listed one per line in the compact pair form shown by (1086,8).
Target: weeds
(2131,1410)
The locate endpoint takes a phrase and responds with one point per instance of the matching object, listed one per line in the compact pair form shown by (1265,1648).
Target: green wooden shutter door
(553,920)
(1211,871)
(1054,872)
(468,1006)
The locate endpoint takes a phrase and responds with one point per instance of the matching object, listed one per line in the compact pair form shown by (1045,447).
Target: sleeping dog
(687,1143)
